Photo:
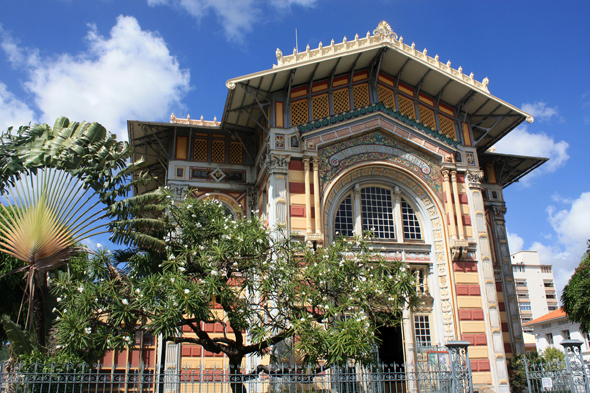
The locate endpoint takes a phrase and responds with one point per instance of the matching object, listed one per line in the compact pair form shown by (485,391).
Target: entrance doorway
(391,349)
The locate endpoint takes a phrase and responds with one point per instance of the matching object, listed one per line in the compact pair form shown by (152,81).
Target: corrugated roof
(559,313)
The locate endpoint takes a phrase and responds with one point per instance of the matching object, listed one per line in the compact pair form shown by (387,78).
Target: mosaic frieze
(377,147)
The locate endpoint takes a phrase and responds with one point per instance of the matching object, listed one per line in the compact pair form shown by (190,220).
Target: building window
(545,269)
(565,334)
(524,306)
(422,330)
(549,338)
(549,284)
(521,284)
(552,307)
(379,210)
(551,296)
(518,268)
(524,295)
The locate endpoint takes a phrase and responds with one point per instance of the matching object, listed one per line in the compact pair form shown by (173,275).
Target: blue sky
(113,60)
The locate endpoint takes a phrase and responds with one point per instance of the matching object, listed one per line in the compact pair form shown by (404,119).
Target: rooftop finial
(384,31)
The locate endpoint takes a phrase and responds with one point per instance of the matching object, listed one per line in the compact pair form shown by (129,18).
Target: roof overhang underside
(492,117)
(510,168)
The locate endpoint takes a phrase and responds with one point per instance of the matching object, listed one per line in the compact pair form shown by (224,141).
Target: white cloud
(522,142)
(540,111)
(572,229)
(515,242)
(128,75)
(13,112)
(235,17)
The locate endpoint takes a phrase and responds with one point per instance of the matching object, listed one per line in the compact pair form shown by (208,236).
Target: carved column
(316,194)
(449,205)
(306,161)
(457,205)
(277,167)
(496,353)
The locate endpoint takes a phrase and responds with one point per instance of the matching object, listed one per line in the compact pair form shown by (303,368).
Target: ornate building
(371,134)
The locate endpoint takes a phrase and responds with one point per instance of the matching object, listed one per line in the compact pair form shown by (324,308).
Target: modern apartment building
(535,286)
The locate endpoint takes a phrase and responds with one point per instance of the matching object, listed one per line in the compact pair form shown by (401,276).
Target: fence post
(460,366)
(573,355)
(526,373)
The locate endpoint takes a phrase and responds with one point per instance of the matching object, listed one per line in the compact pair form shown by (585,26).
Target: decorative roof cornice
(382,36)
(200,122)
(373,108)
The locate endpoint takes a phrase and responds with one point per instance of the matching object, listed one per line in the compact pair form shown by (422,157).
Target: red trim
(295,164)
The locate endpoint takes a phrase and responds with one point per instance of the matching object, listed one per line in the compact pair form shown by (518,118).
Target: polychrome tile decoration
(378,147)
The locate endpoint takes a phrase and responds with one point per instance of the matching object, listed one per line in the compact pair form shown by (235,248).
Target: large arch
(432,215)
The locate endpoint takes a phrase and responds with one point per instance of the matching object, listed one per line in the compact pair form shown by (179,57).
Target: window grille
(545,269)
(341,100)
(427,116)
(411,223)
(218,151)
(320,106)
(406,106)
(299,112)
(360,95)
(377,212)
(521,283)
(343,222)
(524,306)
(200,150)
(386,96)
(447,127)
(422,330)
(235,153)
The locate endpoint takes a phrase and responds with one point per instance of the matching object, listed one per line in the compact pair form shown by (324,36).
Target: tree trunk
(235,374)
(39,312)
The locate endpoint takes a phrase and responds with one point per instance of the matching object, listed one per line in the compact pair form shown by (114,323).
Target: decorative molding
(252,198)
(459,249)
(179,191)
(499,211)
(374,108)
(383,35)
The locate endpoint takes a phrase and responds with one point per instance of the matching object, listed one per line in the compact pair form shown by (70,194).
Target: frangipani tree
(258,290)
(57,184)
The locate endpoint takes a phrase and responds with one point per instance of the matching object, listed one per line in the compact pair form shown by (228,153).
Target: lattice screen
(406,106)
(200,150)
(341,100)
(386,96)
(360,95)
(447,127)
(235,153)
(218,151)
(299,112)
(320,106)
(427,116)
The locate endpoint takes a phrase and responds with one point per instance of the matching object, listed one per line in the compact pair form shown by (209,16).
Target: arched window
(380,209)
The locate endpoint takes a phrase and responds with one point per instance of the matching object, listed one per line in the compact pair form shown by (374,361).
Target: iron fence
(569,375)
(434,371)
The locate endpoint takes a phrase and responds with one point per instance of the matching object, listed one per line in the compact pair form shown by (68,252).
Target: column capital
(277,163)
(475,178)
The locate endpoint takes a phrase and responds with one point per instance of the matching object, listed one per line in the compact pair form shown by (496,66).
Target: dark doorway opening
(391,349)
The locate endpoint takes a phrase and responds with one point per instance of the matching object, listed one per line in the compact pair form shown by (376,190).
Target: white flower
(88,330)
(54,309)
(99,310)
(181,269)
(59,299)
(214,272)
(137,291)
(80,289)
(172,256)
(125,301)
(98,245)
(189,207)
(57,318)
(187,291)
(172,280)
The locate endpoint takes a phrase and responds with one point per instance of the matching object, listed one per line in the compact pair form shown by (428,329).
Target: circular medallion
(334,161)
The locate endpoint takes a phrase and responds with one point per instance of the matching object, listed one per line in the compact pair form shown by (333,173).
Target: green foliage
(575,298)
(269,287)
(517,374)
(552,354)
(13,287)
(20,342)
(85,150)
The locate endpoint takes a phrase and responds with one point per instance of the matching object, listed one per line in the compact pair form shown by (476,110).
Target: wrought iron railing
(447,371)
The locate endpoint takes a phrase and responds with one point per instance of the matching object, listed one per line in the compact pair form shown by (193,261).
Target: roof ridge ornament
(383,35)
(384,31)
